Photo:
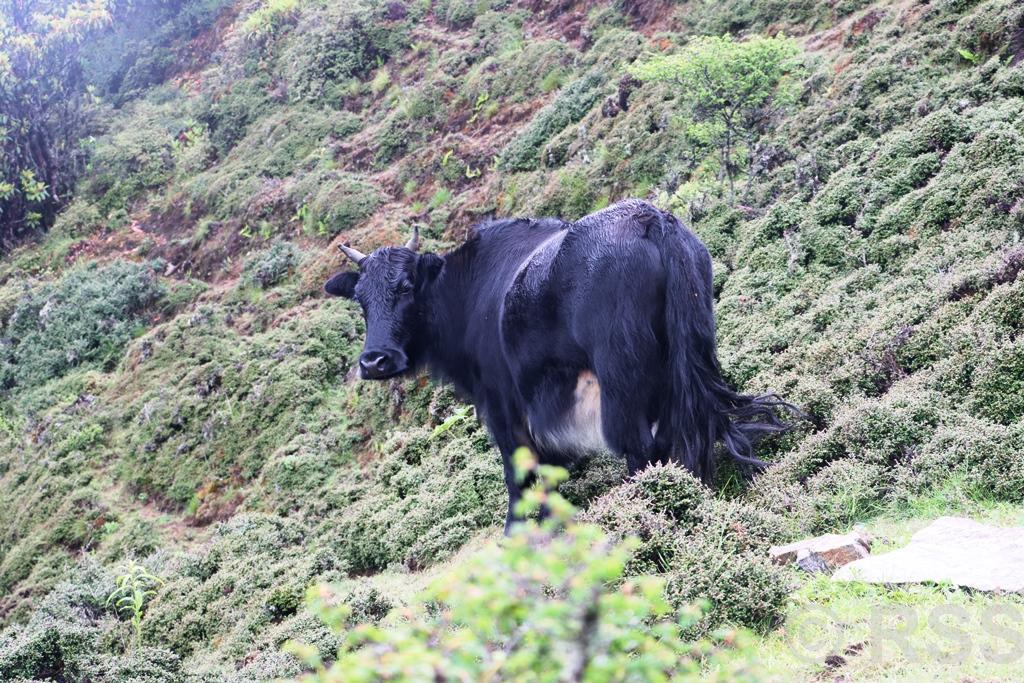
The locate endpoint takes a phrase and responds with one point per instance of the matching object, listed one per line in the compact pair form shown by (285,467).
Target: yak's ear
(343,284)
(428,267)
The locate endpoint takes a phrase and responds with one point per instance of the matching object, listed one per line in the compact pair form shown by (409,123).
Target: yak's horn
(354,254)
(414,242)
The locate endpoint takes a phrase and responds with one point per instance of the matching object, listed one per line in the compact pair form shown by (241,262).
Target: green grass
(913,633)
(894,527)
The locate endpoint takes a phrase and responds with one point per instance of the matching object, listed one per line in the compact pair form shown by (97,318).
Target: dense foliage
(41,106)
(85,318)
(58,60)
(548,603)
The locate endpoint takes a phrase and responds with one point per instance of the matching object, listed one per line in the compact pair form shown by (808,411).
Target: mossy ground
(176,391)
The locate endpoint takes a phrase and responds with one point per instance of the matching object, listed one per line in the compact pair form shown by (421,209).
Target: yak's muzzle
(382,363)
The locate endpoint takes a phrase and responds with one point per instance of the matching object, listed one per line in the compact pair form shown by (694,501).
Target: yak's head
(390,286)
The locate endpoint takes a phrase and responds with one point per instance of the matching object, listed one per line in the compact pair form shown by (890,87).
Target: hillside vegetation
(177,404)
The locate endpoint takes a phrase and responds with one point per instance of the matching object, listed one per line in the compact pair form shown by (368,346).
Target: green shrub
(284,602)
(421,500)
(740,588)
(271,266)
(75,523)
(841,202)
(572,196)
(149,69)
(740,16)
(883,431)
(739,527)
(129,538)
(591,478)
(512,75)
(722,560)
(615,48)
(140,665)
(941,129)
(61,638)
(569,106)
(730,86)
(211,407)
(982,455)
(672,491)
(79,219)
(366,605)
(334,201)
(457,13)
(625,512)
(294,136)
(247,583)
(269,18)
(85,318)
(71,637)
(998,387)
(228,116)
(45,648)
(844,492)
(339,42)
(394,137)
(710,550)
(136,154)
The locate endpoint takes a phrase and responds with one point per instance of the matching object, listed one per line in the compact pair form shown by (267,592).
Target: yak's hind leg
(628,359)
(627,430)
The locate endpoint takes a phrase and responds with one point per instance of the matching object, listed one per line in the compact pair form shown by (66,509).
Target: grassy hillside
(176,391)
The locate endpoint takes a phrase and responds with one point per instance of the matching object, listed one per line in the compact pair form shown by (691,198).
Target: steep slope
(176,391)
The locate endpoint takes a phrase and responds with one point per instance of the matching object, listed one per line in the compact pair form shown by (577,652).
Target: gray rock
(823,553)
(950,549)
(812,563)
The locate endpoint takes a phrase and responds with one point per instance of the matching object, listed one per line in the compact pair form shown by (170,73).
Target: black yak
(569,338)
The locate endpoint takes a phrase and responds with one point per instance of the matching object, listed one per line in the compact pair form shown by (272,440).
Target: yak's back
(628,219)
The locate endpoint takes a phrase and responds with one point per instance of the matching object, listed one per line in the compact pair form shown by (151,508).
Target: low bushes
(569,106)
(72,635)
(625,512)
(573,615)
(212,407)
(334,201)
(339,43)
(86,318)
(269,267)
(868,269)
(708,549)
(421,500)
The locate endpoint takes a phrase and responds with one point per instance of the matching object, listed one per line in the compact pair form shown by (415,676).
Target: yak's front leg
(503,433)
(518,482)
(512,484)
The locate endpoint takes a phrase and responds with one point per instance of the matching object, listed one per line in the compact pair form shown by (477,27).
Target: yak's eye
(404,287)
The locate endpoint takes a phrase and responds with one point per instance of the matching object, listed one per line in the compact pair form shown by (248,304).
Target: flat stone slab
(823,553)
(950,549)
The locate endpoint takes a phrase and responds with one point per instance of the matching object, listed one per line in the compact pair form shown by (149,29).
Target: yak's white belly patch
(580,430)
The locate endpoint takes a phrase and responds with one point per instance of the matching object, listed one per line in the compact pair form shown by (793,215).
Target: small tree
(737,87)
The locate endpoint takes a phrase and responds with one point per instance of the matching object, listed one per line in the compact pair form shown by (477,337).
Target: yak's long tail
(702,409)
